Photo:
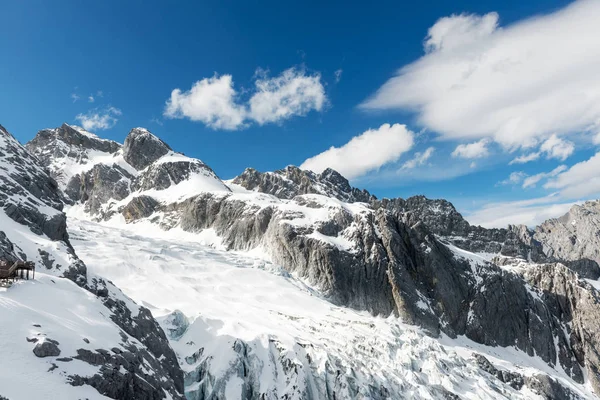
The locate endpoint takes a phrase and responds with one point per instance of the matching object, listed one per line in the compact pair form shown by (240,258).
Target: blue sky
(433,98)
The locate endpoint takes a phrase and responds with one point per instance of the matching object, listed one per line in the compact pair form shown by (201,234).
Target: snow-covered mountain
(290,284)
(69,333)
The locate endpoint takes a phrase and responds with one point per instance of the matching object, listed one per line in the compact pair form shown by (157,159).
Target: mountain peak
(142,148)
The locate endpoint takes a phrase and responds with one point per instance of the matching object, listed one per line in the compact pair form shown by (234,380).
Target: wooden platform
(16,270)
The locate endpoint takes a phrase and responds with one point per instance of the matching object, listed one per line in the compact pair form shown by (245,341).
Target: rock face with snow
(143,148)
(574,238)
(61,148)
(34,228)
(292,181)
(414,258)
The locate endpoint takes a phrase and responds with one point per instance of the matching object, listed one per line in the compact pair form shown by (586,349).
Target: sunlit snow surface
(229,296)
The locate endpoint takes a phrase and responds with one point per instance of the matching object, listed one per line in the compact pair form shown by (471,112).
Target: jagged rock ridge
(291,181)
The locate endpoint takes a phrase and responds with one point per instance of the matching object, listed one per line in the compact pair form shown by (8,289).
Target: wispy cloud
(528,212)
(525,158)
(215,102)
(99,119)
(338,75)
(156,121)
(517,85)
(74,97)
(533,180)
(581,180)
(420,158)
(514,178)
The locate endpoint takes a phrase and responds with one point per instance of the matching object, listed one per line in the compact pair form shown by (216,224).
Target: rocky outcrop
(577,305)
(139,207)
(442,219)
(47,348)
(542,385)
(142,148)
(26,189)
(574,238)
(97,186)
(291,181)
(74,139)
(67,143)
(164,174)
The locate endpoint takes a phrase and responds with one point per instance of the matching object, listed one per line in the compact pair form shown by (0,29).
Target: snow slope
(244,312)
(74,317)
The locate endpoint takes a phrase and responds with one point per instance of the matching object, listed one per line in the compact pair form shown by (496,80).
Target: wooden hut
(16,269)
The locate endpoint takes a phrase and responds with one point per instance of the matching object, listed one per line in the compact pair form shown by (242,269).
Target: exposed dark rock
(574,239)
(549,388)
(542,385)
(47,348)
(139,207)
(515,380)
(99,185)
(142,148)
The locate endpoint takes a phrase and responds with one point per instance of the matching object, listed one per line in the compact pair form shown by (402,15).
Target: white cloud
(211,101)
(451,33)
(532,180)
(518,84)
(99,93)
(91,99)
(514,179)
(528,212)
(558,148)
(472,150)
(553,147)
(419,159)
(290,94)
(525,158)
(582,179)
(573,185)
(74,97)
(365,152)
(215,102)
(338,75)
(98,119)
(596,139)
